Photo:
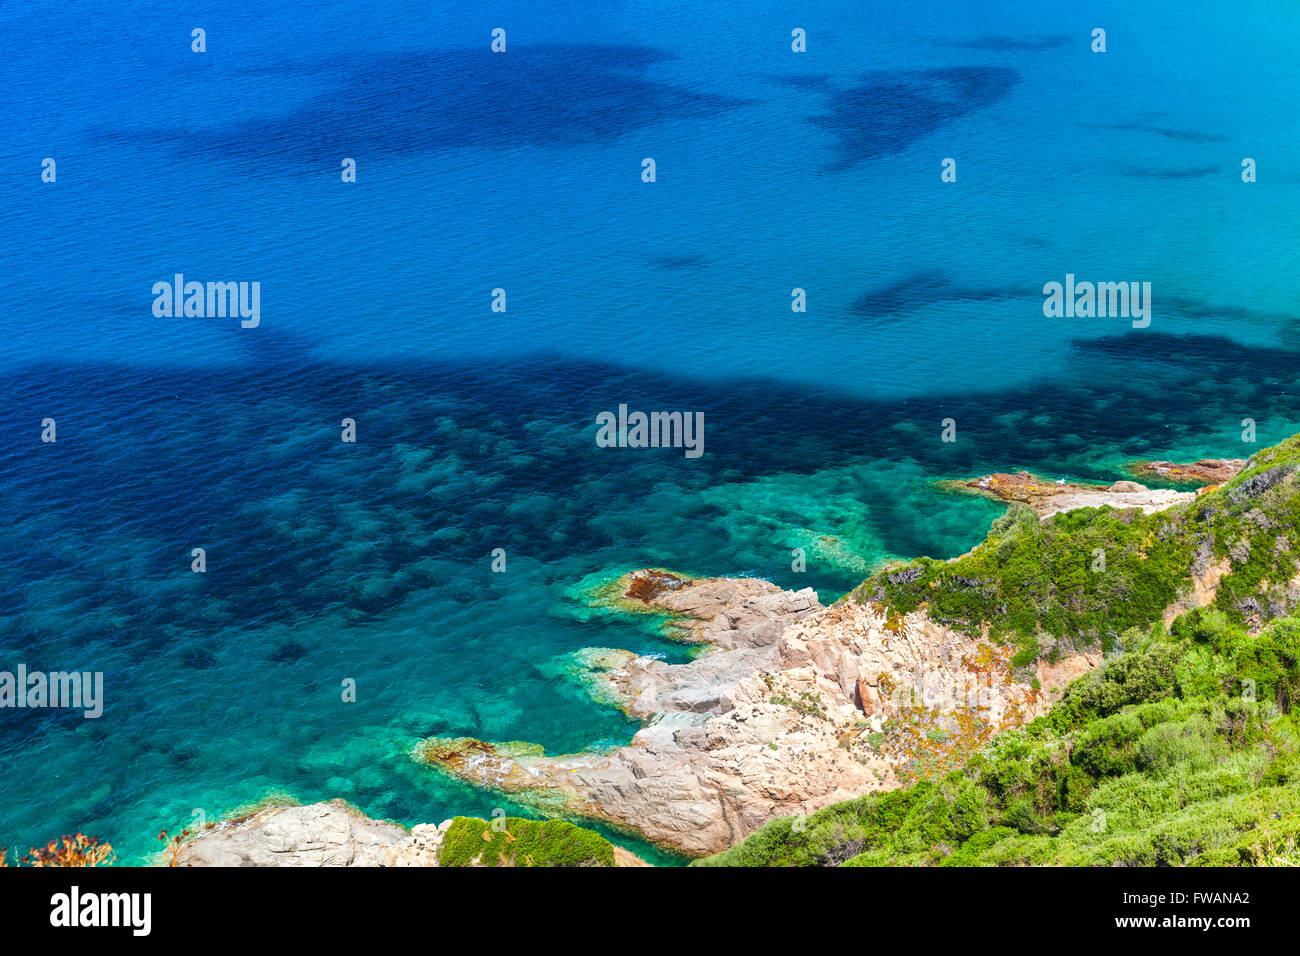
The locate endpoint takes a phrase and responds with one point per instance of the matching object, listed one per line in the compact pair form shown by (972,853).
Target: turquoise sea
(775,170)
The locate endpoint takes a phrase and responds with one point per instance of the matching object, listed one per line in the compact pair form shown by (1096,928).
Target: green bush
(470,841)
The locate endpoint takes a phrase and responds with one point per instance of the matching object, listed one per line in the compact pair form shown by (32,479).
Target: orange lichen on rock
(930,741)
(1207,471)
(649,584)
(1022,486)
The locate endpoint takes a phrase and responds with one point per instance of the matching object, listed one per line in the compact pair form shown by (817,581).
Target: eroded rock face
(321,834)
(726,612)
(782,718)
(1204,589)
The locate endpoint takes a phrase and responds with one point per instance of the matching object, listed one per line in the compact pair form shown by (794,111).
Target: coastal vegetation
(1085,577)
(1183,751)
(514,841)
(1183,748)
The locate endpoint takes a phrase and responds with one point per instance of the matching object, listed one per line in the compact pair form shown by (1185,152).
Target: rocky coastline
(792,706)
(1208,472)
(786,711)
(1049,498)
(336,834)
(783,716)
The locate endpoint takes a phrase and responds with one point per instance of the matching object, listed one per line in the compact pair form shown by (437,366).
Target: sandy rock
(624,857)
(1128,486)
(321,834)
(1204,589)
(1146,500)
(1054,678)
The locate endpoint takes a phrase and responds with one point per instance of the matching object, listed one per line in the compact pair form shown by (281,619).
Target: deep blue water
(476,429)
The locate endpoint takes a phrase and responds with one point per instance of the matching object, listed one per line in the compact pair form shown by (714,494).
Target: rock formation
(335,834)
(322,834)
(1207,471)
(784,716)
(1048,498)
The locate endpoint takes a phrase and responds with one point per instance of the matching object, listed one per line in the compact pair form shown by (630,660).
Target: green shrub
(470,841)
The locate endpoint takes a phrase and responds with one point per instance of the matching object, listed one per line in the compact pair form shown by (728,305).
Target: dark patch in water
(1195,172)
(288,653)
(1181,135)
(889,111)
(804,81)
(1008,44)
(680,262)
(200,658)
(926,288)
(412,103)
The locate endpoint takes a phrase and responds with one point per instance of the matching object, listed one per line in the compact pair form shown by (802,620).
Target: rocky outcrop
(1048,498)
(321,834)
(1207,471)
(335,834)
(784,716)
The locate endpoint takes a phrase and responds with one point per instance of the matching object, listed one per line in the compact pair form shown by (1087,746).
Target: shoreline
(784,710)
(770,724)
(781,717)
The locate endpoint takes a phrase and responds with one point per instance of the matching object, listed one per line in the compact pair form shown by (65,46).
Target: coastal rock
(726,612)
(1204,589)
(1054,678)
(334,834)
(651,583)
(782,717)
(627,858)
(1207,471)
(1127,486)
(1049,498)
(321,834)
(418,849)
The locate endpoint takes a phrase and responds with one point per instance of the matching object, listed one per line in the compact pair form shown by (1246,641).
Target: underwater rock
(288,653)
